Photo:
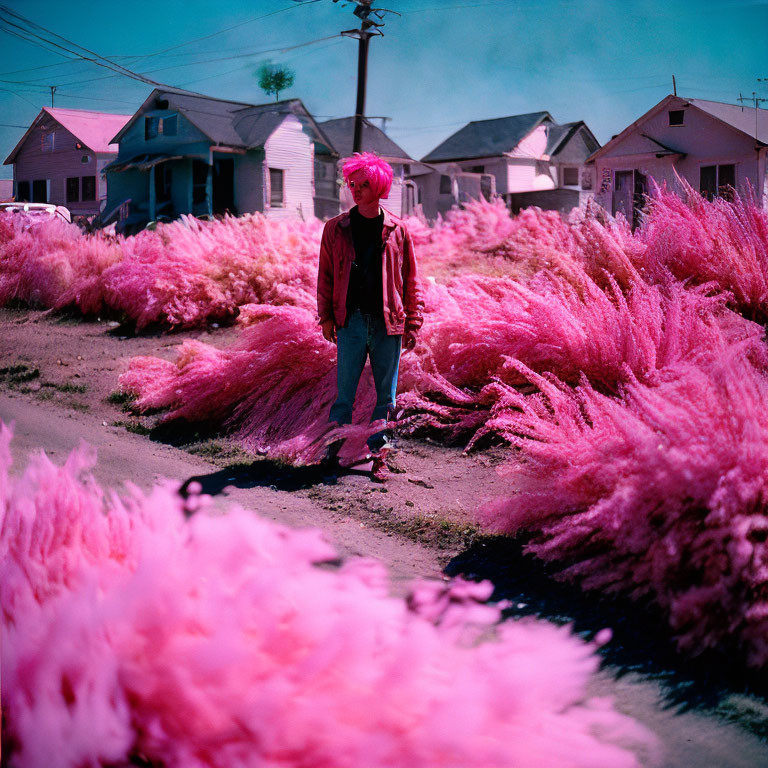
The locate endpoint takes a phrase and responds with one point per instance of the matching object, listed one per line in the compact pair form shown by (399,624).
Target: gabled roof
(487,138)
(342,133)
(93,129)
(740,118)
(231,123)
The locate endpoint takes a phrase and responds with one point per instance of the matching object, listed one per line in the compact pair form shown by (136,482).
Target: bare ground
(57,379)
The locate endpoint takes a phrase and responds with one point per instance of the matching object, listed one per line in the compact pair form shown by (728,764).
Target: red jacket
(403,301)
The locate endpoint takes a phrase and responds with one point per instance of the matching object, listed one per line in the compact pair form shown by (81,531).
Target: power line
(107,64)
(120,70)
(227,29)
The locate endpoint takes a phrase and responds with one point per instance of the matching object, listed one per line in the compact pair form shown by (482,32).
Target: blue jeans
(366,336)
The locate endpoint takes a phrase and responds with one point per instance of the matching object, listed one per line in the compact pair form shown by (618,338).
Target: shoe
(331,456)
(380,471)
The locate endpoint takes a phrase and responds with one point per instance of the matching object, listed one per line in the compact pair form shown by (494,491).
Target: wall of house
(64,161)
(562,200)
(529,175)
(289,148)
(327,203)
(249,182)
(128,185)
(181,185)
(705,140)
(133,143)
(134,184)
(394,203)
(534,144)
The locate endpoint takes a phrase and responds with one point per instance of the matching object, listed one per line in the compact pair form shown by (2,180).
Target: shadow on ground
(641,639)
(268,474)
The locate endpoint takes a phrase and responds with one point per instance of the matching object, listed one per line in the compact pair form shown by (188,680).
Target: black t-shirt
(365,291)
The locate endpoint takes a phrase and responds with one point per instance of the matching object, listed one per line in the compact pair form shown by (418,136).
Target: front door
(224,185)
(623,194)
(630,190)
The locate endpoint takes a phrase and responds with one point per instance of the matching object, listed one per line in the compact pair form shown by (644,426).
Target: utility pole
(368,29)
(757,102)
(53,90)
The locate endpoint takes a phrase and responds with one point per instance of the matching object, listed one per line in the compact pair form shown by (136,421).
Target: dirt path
(56,377)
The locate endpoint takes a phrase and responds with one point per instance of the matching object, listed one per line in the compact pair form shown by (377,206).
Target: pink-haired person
(368,298)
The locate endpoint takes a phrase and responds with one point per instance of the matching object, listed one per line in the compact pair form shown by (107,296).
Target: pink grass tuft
(130,634)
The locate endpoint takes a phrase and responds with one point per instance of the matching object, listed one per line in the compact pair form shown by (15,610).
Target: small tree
(274,78)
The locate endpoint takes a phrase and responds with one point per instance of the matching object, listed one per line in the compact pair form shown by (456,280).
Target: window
(676,116)
(85,159)
(151,125)
(40,191)
(22,192)
(445,185)
(73,189)
(169,125)
(717,181)
(47,141)
(276,178)
(570,177)
(89,187)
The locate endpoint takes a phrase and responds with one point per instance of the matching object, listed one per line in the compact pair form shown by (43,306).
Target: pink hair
(377,171)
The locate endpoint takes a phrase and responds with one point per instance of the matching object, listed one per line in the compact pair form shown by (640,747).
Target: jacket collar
(389,220)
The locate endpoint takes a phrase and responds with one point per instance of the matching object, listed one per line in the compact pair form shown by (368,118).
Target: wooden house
(403,195)
(533,161)
(184,152)
(61,157)
(714,146)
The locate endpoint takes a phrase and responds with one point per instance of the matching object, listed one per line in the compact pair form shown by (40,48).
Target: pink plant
(131,634)
(658,494)
(720,241)
(184,274)
(275,386)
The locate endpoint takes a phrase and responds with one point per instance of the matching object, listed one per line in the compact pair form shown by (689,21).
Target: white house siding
(704,139)
(528,175)
(291,150)
(394,203)
(533,145)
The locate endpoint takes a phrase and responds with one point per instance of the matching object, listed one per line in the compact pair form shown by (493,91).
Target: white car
(42,210)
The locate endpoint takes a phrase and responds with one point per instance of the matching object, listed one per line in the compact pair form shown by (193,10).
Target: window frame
(47,190)
(717,191)
(48,141)
(575,170)
(149,121)
(281,172)
(27,198)
(83,197)
(72,188)
(681,113)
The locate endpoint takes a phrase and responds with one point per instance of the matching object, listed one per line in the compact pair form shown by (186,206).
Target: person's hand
(329,331)
(409,340)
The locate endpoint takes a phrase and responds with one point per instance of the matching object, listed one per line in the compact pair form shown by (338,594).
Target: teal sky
(438,65)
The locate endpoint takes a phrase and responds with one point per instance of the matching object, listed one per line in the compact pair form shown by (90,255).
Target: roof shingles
(487,138)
